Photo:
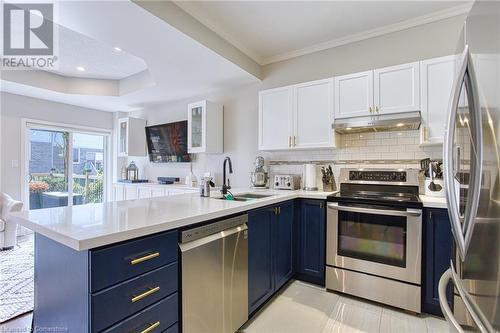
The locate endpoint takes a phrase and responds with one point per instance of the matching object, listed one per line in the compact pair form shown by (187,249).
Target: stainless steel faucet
(224,180)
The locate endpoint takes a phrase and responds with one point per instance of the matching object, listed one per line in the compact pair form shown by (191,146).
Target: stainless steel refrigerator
(471,160)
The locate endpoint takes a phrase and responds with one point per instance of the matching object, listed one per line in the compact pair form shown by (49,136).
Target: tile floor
(305,308)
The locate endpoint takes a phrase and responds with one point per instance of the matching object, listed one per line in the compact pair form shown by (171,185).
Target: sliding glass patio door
(64,166)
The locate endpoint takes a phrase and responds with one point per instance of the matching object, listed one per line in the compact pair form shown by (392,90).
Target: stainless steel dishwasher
(215,276)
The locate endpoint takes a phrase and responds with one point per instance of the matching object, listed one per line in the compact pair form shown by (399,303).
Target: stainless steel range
(374,236)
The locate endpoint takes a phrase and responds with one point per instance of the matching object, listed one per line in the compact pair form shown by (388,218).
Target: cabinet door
(157,192)
(197,127)
(437,253)
(397,88)
(436,83)
(130,192)
(118,192)
(144,192)
(123,137)
(260,277)
(275,119)
(353,94)
(313,114)
(311,225)
(283,244)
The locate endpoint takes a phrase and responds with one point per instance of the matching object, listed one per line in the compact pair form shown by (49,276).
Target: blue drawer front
(165,312)
(114,304)
(118,263)
(172,329)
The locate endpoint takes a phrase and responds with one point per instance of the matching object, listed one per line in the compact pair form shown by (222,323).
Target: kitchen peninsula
(115,266)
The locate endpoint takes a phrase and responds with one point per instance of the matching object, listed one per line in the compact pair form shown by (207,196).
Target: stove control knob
(288,184)
(277,184)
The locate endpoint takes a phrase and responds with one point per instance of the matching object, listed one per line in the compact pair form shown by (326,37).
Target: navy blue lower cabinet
(438,250)
(311,239)
(260,264)
(283,244)
(270,251)
(125,287)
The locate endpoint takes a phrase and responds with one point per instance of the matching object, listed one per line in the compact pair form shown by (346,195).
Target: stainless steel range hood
(384,122)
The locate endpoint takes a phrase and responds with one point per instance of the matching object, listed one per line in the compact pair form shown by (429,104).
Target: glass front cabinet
(131,137)
(205,127)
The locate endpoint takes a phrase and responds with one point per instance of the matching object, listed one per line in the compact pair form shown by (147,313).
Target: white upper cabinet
(205,127)
(353,94)
(275,118)
(131,137)
(437,77)
(313,114)
(297,117)
(397,88)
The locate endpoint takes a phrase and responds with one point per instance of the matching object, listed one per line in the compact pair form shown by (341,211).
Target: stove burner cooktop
(378,187)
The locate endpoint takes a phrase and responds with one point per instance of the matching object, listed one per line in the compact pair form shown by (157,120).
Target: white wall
(241,104)
(14,108)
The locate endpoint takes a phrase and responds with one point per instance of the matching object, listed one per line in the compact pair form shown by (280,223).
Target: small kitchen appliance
(309,174)
(259,176)
(374,236)
(205,185)
(286,182)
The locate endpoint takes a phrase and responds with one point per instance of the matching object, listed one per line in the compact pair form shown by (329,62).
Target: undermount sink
(246,197)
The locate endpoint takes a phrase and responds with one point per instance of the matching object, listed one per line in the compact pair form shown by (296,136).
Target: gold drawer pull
(141,259)
(151,327)
(145,294)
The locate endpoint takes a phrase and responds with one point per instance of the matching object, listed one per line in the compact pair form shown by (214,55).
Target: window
(65,166)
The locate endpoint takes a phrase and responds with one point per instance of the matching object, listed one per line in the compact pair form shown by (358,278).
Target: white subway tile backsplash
(386,146)
(373,142)
(412,148)
(397,148)
(406,141)
(406,156)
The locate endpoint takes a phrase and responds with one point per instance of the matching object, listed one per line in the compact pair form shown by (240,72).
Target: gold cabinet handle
(294,140)
(145,294)
(279,210)
(376,109)
(151,327)
(145,258)
(289,141)
(370,109)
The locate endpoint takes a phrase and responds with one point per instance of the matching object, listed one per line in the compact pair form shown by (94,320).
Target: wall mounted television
(167,143)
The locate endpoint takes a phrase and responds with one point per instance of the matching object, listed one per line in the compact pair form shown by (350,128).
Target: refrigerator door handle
(443,301)
(463,233)
(478,317)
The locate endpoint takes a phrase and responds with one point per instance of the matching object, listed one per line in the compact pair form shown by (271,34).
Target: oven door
(375,240)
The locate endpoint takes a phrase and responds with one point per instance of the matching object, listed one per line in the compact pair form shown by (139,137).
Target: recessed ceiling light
(400,133)
(348,128)
(80,69)
(118,49)
(400,125)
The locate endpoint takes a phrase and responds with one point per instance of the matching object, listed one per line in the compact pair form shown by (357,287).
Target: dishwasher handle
(214,237)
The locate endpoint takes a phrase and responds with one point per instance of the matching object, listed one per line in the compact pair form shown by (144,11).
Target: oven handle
(408,212)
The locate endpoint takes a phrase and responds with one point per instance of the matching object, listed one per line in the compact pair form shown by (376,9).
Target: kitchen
(348,198)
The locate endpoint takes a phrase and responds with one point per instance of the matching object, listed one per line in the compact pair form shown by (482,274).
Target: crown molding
(403,25)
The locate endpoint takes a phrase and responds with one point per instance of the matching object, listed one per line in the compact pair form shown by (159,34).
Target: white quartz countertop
(89,226)
(433,202)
